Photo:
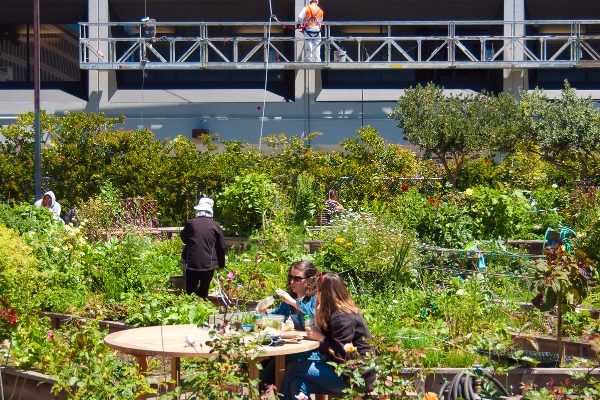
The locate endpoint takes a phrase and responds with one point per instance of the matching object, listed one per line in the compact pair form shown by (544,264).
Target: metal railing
(343,45)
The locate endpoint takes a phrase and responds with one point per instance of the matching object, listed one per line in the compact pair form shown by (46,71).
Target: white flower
(554,186)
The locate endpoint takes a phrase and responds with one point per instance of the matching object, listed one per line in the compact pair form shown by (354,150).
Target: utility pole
(36,100)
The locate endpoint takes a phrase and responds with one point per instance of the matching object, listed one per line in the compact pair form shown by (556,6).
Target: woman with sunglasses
(300,298)
(343,334)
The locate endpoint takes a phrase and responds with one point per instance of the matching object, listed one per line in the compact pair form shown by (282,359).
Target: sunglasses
(295,278)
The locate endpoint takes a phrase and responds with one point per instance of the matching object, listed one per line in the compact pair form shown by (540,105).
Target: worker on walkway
(309,21)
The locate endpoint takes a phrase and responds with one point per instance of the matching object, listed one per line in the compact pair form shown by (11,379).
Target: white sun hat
(205,204)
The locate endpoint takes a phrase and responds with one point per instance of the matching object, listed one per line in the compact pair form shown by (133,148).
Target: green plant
(102,212)
(308,199)
(247,202)
(567,130)
(224,376)
(367,251)
(85,368)
(499,214)
(562,281)
(456,128)
(164,308)
(446,224)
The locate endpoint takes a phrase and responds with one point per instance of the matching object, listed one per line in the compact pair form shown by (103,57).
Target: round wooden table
(176,341)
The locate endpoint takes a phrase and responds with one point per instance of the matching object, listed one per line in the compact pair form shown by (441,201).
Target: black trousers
(198,282)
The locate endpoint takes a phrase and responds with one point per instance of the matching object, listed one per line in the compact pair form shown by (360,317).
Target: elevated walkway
(344,45)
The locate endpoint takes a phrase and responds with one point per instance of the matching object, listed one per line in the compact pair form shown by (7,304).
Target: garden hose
(462,386)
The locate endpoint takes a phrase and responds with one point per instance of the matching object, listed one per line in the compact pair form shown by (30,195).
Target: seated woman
(332,206)
(340,324)
(302,284)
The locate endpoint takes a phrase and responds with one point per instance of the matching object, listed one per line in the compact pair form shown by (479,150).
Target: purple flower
(230,276)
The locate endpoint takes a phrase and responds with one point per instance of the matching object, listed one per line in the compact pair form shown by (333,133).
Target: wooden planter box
(58,319)
(549,344)
(533,247)
(432,380)
(312,246)
(28,385)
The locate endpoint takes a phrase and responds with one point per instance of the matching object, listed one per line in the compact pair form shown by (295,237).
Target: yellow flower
(340,240)
(349,348)
(469,192)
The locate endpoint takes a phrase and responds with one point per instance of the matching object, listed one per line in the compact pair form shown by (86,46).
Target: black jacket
(346,328)
(204,248)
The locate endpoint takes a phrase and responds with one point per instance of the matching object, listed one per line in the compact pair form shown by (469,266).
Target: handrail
(355,23)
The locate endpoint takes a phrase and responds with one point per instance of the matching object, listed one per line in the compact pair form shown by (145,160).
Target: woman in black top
(342,333)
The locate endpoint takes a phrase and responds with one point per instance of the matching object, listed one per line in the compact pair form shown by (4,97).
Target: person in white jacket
(309,21)
(48,200)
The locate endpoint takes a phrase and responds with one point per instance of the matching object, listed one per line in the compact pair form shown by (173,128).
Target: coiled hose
(462,386)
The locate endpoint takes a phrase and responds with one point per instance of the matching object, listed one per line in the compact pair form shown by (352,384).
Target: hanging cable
(267,54)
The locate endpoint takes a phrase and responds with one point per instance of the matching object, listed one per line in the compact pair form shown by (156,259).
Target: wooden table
(170,341)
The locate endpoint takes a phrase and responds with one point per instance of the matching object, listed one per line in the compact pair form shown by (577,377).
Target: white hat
(205,204)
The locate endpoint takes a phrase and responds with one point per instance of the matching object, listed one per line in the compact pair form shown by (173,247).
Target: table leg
(142,363)
(175,370)
(253,370)
(279,371)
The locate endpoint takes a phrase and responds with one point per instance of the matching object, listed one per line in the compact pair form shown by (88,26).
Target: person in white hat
(204,248)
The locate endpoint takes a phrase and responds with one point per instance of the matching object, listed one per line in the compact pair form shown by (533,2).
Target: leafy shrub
(525,169)
(409,209)
(480,171)
(86,368)
(132,264)
(247,202)
(499,214)
(374,166)
(26,218)
(368,251)
(308,199)
(586,215)
(446,224)
(164,308)
(101,212)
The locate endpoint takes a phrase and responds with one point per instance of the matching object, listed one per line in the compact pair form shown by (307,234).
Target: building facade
(362,75)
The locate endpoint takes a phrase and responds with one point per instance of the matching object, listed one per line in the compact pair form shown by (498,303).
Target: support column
(101,84)
(515,80)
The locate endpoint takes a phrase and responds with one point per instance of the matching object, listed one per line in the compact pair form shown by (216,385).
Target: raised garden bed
(431,380)
(312,246)
(58,319)
(533,247)
(28,385)
(574,348)
(31,385)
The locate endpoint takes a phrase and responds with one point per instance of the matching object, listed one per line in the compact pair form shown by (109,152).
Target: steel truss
(344,45)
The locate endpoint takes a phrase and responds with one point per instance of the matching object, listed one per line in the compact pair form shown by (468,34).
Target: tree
(567,130)
(456,128)
(16,157)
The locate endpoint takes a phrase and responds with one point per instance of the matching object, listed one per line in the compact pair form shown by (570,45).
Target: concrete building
(371,53)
